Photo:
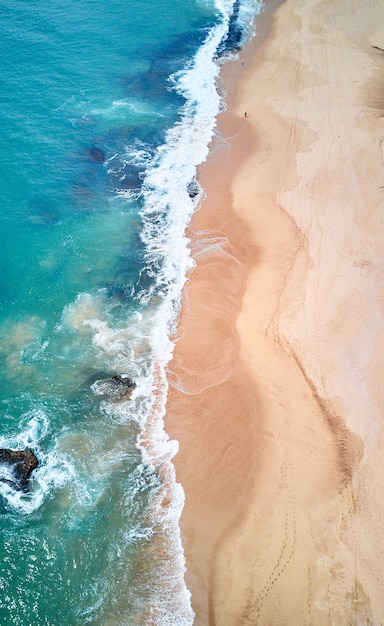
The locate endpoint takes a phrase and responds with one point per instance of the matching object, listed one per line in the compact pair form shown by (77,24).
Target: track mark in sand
(381,147)
(362,569)
(297,42)
(347,595)
(349,445)
(325,567)
(309,596)
(253,609)
(300,247)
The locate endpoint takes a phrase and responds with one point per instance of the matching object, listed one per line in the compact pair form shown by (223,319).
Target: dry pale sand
(276,392)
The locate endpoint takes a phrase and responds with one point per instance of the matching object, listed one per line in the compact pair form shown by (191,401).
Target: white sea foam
(167,211)
(119,109)
(141,347)
(168,207)
(54,471)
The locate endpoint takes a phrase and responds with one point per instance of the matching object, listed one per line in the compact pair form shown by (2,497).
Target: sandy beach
(276,397)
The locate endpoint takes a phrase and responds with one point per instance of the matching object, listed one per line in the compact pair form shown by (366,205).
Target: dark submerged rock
(45,218)
(42,210)
(97,155)
(22,463)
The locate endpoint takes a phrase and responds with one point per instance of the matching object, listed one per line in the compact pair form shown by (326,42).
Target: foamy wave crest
(167,211)
(54,471)
(136,153)
(168,208)
(126,167)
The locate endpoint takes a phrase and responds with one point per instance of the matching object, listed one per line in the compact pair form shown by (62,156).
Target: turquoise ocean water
(107,107)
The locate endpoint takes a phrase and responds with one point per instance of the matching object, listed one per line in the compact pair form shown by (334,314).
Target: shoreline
(275,388)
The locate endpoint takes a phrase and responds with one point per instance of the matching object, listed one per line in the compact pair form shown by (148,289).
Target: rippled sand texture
(276,383)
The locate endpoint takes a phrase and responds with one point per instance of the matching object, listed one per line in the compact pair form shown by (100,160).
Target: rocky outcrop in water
(22,463)
(115,386)
(123,384)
